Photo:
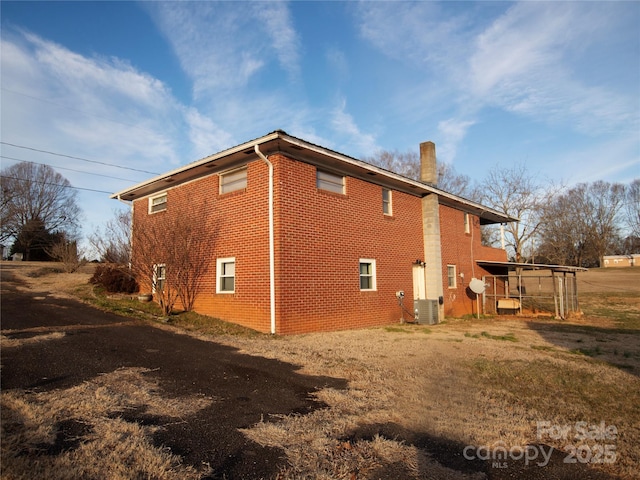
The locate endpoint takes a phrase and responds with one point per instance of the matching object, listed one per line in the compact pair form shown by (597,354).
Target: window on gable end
(330,182)
(158,203)
(467,223)
(233,180)
(386,202)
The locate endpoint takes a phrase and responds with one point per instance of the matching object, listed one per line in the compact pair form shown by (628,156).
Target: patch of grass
(582,390)
(468,335)
(397,330)
(544,348)
(589,352)
(509,337)
(41,272)
(621,307)
(191,321)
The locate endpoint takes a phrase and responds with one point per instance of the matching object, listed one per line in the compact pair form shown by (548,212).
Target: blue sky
(154,85)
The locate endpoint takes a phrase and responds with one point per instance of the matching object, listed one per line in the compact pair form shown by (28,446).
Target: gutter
(272,268)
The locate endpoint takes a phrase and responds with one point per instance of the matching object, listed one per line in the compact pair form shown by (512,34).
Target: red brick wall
(462,250)
(319,239)
(240,220)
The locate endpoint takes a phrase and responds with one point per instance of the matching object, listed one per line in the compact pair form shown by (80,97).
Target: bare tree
(113,241)
(67,252)
(37,193)
(632,208)
(408,165)
(171,254)
(581,225)
(515,192)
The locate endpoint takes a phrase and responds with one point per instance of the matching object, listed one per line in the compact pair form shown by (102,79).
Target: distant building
(618,261)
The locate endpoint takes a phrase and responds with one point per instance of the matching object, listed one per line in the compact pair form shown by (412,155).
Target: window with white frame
(386,201)
(367,274)
(330,182)
(159,277)
(451,276)
(226,275)
(467,223)
(233,180)
(158,203)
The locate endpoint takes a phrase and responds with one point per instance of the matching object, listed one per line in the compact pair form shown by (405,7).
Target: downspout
(272,266)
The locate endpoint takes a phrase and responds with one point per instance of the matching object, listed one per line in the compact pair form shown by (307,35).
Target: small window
(330,182)
(233,180)
(226,278)
(159,278)
(467,223)
(386,201)
(158,203)
(367,274)
(451,276)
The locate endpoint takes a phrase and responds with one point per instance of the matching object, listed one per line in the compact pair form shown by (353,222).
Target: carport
(531,288)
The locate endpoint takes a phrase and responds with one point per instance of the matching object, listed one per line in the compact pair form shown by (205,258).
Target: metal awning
(531,266)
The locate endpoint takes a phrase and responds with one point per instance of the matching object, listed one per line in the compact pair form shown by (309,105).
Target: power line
(77,158)
(70,169)
(68,107)
(54,184)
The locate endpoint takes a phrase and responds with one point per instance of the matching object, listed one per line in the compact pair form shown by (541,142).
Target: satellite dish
(477,286)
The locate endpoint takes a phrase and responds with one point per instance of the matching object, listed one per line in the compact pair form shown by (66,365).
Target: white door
(419,283)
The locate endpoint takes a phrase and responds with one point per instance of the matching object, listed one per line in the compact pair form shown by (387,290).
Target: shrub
(114,279)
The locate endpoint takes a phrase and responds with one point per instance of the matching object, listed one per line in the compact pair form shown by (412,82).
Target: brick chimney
(431,227)
(428,169)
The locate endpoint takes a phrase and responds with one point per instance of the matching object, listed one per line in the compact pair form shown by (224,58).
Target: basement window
(451,276)
(233,180)
(386,201)
(226,277)
(367,274)
(158,203)
(159,278)
(330,182)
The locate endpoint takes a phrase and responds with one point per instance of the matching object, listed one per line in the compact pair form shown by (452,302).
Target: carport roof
(531,266)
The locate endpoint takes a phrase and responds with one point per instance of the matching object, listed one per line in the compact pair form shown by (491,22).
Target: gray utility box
(426,311)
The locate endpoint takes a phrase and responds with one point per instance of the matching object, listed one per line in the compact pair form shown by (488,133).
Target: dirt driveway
(92,395)
(72,344)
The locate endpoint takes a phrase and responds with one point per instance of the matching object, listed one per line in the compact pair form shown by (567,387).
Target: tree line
(575,225)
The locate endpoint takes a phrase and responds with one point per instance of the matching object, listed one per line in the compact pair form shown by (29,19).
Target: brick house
(308,239)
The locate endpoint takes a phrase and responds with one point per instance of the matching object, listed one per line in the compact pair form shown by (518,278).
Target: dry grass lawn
(484,382)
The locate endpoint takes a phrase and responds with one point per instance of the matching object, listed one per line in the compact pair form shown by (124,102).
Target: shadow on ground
(470,459)
(247,389)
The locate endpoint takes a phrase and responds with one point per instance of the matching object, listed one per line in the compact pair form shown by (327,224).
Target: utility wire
(54,184)
(70,169)
(60,105)
(77,158)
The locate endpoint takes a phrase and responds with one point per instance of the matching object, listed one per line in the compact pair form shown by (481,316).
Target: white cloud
(206,137)
(524,63)
(98,108)
(451,133)
(348,131)
(222,46)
